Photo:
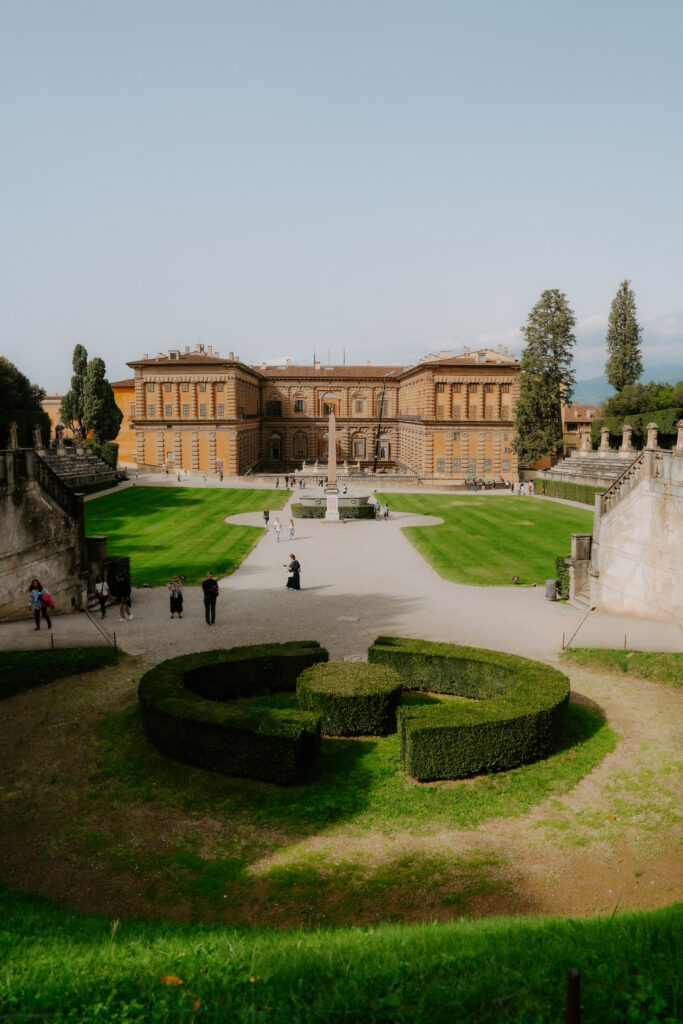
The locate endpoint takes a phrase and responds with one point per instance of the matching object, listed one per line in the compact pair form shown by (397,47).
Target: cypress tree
(624,364)
(546,376)
(101,415)
(71,408)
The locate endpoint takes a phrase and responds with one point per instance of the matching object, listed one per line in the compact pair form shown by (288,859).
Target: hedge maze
(193,708)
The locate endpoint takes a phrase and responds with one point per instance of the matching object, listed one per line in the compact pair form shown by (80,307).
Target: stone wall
(42,535)
(638,540)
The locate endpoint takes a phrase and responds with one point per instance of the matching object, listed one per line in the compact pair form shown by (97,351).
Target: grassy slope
(488,540)
(180,529)
(661,667)
(62,966)
(22,670)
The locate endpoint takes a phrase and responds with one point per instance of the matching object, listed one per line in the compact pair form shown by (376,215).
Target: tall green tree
(624,334)
(71,409)
(101,415)
(22,403)
(545,376)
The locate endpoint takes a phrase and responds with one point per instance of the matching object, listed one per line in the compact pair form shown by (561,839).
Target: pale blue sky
(388,178)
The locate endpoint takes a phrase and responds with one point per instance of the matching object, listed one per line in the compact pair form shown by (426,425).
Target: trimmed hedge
(584,493)
(345,511)
(562,575)
(188,711)
(352,698)
(22,670)
(517,715)
(666,420)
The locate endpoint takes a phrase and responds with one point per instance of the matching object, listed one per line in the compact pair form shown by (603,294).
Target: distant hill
(595,390)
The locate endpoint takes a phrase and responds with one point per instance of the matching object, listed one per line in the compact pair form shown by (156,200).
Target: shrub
(345,511)
(584,493)
(562,574)
(108,451)
(188,711)
(517,714)
(666,420)
(352,698)
(22,670)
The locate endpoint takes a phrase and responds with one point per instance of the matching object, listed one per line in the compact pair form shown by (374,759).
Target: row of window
(471,465)
(184,386)
(473,412)
(472,388)
(184,411)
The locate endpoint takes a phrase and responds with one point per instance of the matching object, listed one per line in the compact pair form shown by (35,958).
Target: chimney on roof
(446,353)
(231,355)
(210,349)
(466,351)
(288,362)
(369,362)
(145,356)
(199,347)
(317,364)
(187,350)
(161,355)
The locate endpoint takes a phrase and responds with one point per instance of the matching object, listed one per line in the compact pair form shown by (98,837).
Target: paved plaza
(360,580)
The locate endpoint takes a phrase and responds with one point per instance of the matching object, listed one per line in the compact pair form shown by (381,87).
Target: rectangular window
(456,465)
(487,465)
(505,437)
(167,387)
(505,412)
(185,385)
(132,409)
(359,449)
(298,405)
(456,389)
(202,385)
(150,385)
(219,385)
(439,412)
(358,405)
(505,388)
(440,464)
(327,409)
(489,389)
(202,410)
(456,436)
(472,389)
(439,387)
(473,467)
(186,411)
(456,412)
(150,411)
(506,465)
(168,410)
(474,412)
(220,410)
(489,412)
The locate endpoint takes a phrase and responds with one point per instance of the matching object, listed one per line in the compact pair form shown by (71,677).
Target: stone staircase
(599,469)
(76,468)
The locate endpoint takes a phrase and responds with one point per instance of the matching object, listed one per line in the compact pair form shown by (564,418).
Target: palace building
(446,417)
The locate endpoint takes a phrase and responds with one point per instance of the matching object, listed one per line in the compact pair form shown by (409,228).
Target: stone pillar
(140,442)
(626,445)
(652,436)
(38,439)
(195,450)
(604,440)
(59,434)
(161,454)
(78,440)
(679,440)
(585,440)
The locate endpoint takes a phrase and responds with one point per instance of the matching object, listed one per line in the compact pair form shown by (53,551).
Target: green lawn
(662,667)
(178,530)
(486,541)
(60,966)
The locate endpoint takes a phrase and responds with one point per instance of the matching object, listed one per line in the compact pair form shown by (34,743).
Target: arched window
(275,446)
(274,406)
(384,447)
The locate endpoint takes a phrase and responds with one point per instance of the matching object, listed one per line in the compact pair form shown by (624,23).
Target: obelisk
(332,513)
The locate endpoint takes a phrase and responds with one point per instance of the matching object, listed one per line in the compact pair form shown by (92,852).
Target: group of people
(378,511)
(119,591)
(277,525)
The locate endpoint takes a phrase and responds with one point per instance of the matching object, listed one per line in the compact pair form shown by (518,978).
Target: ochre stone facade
(448,417)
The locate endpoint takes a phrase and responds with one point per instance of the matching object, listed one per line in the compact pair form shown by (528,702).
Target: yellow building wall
(125,439)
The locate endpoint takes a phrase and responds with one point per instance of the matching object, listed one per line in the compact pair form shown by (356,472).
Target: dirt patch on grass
(72,833)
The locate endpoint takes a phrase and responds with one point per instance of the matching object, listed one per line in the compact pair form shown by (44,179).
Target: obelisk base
(332,513)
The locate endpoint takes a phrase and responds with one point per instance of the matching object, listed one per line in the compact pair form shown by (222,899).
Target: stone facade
(42,535)
(447,417)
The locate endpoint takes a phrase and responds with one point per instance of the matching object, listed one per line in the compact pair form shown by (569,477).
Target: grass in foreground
(22,670)
(487,540)
(179,529)
(62,966)
(662,667)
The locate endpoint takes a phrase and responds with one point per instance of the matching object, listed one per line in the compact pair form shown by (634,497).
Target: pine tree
(71,409)
(546,376)
(624,364)
(101,415)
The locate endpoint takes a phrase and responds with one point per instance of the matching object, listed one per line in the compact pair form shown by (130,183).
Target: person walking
(386,511)
(266,517)
(293,573)
(102,593)
(175,589)
(290,529)
(211,592)
(277,527)
(122,595)
(37,595)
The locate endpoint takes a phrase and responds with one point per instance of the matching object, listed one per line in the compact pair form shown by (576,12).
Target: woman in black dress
(294,574)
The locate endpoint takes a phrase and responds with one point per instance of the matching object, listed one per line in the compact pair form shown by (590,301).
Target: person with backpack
(211,592)
(102,593)
(39,600)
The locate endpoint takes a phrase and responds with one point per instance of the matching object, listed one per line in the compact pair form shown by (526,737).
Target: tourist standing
(386,511)
(102,593)
(122,595)
(277,527)
(37,601)
(290,529)
(266,517)
(211,592)
(175,589)
(293,574)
